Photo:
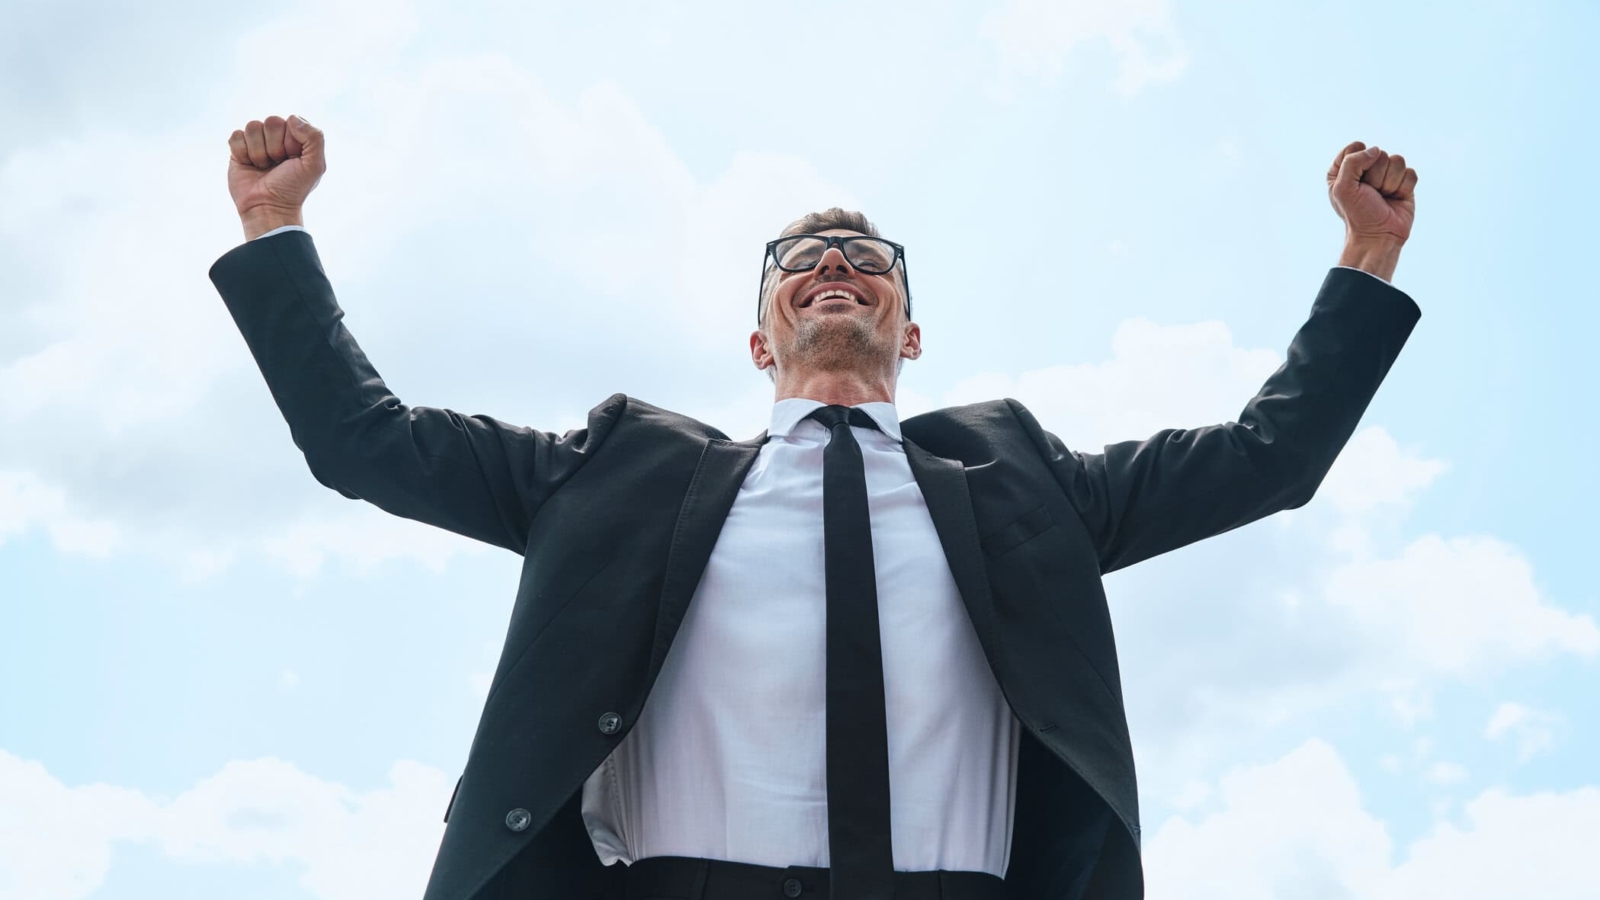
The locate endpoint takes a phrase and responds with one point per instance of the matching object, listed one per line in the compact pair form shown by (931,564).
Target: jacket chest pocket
(1018,531)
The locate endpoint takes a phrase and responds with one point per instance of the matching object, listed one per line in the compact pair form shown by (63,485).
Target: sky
(218,678)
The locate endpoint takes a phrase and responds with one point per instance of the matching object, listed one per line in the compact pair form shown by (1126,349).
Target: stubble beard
(827,344)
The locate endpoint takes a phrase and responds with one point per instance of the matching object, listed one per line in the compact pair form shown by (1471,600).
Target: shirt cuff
(280,228)
(1351,268)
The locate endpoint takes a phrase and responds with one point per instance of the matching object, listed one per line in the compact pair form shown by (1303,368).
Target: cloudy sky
(218,678)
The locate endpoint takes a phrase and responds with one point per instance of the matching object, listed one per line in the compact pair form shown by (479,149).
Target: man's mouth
(834,296)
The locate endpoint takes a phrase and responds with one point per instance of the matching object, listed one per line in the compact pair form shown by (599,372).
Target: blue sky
(218,676)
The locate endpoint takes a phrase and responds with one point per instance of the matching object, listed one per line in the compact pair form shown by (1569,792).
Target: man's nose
(833,261)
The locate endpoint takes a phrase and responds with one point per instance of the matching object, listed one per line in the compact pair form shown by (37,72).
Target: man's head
(861,332)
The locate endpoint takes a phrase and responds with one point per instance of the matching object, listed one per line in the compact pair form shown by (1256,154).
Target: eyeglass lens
(870,255)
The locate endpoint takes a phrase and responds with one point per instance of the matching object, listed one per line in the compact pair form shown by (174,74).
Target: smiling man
(851,657)
(834,304)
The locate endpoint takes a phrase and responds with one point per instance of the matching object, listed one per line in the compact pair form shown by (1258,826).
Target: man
(877,655)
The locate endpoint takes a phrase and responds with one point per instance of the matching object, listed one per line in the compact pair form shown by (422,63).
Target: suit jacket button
(518,819)
(791,887)
(609,723)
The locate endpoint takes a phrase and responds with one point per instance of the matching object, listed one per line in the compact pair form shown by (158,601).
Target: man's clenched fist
(1372,192)
(272,168)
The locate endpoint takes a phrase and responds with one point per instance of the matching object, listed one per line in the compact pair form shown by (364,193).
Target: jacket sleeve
(473,475)
(1140,499)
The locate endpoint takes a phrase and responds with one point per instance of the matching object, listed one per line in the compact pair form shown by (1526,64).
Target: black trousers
(683,878)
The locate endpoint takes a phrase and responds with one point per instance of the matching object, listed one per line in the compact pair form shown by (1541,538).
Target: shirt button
(609,723)
(791,887)
(518,819)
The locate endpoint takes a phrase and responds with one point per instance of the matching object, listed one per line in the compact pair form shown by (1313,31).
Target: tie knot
(830,416)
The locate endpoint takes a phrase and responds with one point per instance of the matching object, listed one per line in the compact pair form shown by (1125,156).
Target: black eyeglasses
(802,252)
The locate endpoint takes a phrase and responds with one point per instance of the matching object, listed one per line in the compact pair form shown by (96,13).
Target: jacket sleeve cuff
(1351,268)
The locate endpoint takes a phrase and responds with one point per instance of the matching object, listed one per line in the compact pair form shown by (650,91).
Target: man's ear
(760,353)
(911,344)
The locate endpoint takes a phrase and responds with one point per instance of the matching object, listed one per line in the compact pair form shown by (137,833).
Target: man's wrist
(1375,255)
(263,219)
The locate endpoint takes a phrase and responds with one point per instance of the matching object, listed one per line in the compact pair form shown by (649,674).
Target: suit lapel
(944,488)
(721,470)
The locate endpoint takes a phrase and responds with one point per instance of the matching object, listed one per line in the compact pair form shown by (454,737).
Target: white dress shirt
(728,758)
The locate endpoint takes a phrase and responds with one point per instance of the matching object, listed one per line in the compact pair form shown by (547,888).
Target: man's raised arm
(1143,498)
(472,475)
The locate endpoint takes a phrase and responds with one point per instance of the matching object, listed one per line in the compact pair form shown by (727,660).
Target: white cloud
(1037,36)
(26,502)
(1372,471)
(120,383)
(351,845)
(366,537)
(149,430)
(909,402)
(56,841)
(1408,700)
(1458,606)
(1445,772)
(361,535)
(1193,794)
(1534,731)
(1535,845)
(1293,827)
(741,416)
(710,246)
(1159,376)
(1297,827)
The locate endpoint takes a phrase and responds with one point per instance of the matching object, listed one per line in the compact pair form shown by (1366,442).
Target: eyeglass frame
(834,240)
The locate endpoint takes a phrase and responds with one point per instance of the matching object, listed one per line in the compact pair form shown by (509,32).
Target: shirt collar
(788,414)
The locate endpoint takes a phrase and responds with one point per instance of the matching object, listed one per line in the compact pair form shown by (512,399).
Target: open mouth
(834,296)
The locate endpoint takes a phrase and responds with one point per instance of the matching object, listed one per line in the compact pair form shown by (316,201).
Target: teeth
(832,293)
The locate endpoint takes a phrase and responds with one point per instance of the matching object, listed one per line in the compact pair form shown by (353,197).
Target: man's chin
(833,330)
(847,343)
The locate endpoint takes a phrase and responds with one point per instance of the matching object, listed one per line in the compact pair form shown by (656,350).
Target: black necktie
(861,860)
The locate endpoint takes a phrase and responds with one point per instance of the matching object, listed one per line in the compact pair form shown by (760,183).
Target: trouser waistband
(686,878)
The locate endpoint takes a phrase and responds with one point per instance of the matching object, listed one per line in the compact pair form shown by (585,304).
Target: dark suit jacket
(616,521)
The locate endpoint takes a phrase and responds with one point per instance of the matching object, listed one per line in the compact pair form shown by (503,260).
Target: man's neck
(836,388)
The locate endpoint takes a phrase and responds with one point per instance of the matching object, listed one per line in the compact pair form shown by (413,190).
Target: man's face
(836,317)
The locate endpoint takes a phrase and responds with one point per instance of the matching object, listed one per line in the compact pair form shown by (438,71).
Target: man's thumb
(301,128)
(310,139)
